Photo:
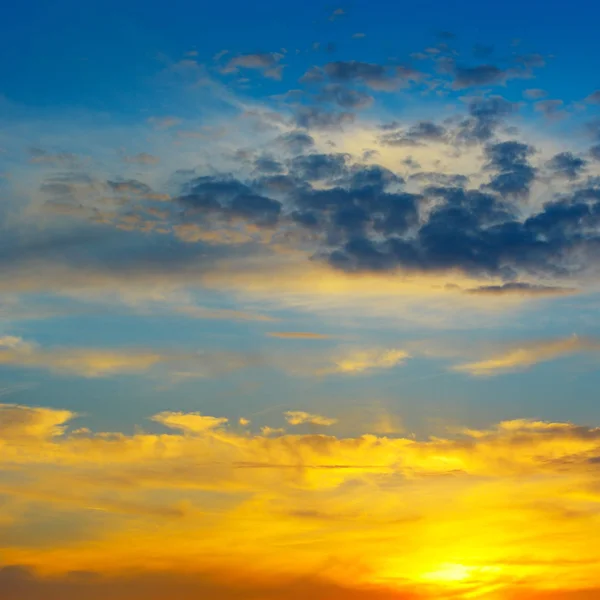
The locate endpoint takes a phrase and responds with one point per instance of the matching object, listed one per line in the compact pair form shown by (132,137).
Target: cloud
(566,165)
(521,289)
(515,174)
(352,361)
(551,109)
(97,362)
(528,355)
(296,142)
(481,75)
(313,117)
(189,422)
(295,193)
(295,505)
(423,131)
(266,62)
(34,423)
(298,417)
(485,117)
(375,76)
(594,97)
(18,582)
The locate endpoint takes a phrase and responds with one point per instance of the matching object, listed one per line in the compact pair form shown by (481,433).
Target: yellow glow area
(456,572)
(477,516)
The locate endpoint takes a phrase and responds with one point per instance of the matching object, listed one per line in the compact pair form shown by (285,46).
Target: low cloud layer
(231,499)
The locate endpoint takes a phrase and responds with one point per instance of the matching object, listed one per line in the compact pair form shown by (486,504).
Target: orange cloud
(475,514)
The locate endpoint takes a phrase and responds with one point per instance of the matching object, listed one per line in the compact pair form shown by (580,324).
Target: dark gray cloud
(521,289)
(465,77)
(296,142)
(226,199)
(268,165)
(566,165)
(423,131)
(313,117)
(486,115)
(376,76)
(595,152)
(440,179)
(489,74)
(515,174)
(319,167)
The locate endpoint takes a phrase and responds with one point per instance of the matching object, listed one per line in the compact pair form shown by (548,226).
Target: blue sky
(100,93)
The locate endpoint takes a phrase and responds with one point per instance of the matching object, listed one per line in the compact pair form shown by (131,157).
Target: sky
(299,300)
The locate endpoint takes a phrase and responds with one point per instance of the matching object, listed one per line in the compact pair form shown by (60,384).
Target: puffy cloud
(566,165)
(189,422)
(515,174)
(36,423)
(527,355)
(485,117)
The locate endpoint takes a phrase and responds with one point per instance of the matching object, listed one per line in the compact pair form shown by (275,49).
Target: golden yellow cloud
(476,514)
(527,355)
(360,360)
(299,417)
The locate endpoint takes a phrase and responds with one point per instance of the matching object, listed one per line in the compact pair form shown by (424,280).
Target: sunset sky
(299,300)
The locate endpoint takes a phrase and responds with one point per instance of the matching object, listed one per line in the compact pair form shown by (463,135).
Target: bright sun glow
(459,573)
